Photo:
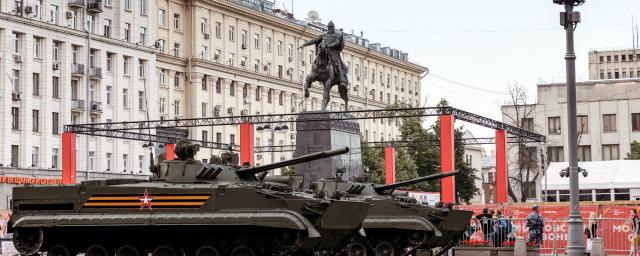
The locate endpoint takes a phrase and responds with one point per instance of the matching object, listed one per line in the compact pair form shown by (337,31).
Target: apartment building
(241,57)
(614,64)
(608,120)
(53,72)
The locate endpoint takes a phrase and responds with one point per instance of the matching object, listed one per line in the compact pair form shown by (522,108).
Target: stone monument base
(318,132)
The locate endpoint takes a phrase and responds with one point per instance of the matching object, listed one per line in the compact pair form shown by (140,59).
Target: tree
(372,162)
(635,151)
(525,170)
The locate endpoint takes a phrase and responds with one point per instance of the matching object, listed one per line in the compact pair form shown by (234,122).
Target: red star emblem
(145,200)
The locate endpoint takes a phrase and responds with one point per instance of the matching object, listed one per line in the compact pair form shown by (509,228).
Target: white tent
(601,175)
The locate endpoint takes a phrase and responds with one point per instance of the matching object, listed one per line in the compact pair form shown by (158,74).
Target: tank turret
(251,171)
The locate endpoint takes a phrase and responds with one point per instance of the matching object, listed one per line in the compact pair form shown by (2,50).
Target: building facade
(242,57)
(473,157)
(608,121)
(52,74)
(614,64)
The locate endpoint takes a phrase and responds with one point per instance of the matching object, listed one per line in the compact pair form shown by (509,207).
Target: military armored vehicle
(186,208)
(398,224)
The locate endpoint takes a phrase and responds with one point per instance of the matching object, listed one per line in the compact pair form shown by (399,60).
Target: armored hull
(188,208)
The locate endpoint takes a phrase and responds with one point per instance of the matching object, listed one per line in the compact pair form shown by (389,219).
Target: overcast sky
(483,44)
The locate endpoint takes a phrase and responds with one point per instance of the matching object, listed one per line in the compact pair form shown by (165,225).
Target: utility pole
(569,20)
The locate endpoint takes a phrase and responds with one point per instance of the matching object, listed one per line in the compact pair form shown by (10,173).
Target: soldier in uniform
(334,42)
(535,223)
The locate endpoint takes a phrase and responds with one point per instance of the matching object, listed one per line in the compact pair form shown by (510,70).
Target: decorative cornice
(303,31)
(73,32)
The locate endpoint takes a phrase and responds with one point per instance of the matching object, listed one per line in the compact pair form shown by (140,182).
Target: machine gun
(245,172)
(391,187)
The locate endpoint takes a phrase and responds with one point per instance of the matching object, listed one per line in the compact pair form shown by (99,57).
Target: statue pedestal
(314,136)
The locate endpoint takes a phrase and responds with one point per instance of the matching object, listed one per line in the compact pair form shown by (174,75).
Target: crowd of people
(498,229)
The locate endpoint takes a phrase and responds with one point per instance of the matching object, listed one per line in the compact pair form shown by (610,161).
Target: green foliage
(372,163)
(287,170)
(635,151)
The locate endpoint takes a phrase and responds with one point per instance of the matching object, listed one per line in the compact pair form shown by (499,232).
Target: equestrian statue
(328,67)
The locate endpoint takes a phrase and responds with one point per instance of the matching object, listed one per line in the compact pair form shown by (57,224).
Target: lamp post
(569,20)
(276,128)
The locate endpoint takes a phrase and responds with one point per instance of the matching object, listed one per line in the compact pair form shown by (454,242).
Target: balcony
(76,4)
(77,69)
(77,105)
(94,6)
(96,106)
(95,73)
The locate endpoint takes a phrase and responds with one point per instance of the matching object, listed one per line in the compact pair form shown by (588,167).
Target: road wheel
(356,249)
(96,250)
(384,249)
(242,250)
(207,250)
(58,250)
(163,250)
(416,238)
(27,240)
(127,250)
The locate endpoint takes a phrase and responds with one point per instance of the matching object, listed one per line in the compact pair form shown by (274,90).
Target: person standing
(591,230)
(486,223)
(500,229)
(635,228)
(535,223)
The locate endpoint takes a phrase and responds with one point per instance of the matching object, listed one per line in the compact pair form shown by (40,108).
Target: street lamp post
(569,20)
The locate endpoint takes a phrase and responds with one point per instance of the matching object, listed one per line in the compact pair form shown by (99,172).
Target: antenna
(313,16)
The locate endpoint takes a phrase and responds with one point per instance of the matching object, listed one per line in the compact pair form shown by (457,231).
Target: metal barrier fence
(618,235)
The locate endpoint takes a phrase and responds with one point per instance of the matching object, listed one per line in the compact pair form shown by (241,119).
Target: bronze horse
(323,71)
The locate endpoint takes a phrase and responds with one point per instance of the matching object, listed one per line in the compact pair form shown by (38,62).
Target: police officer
(535,223)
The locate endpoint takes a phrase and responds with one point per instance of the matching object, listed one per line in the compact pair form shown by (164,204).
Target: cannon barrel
(381,189)
(244,172)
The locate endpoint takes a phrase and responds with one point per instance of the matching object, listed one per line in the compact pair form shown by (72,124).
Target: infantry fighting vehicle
(396,223)
(188,208)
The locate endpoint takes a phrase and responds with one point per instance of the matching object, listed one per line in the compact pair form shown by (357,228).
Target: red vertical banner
(389,165)
(501,166)
(68,158)
(247,141)
(447,158)
(170,151)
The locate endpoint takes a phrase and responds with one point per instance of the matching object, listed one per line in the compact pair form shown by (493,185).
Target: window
(109,61)
(279,47)
(554,154)
(232,89)
(610,152)
(609,122)
(176,21)
(141,68)
(585,195)
(245,91)
(205,136)
(162,17)
(125,98)
(218,137)
(74,89)
(35,123)
(526,123)
(125,160)
(203,54)
(125,65)
(219,85)
(37,43)
(127,32)
(603,194)
(269,93)
(36,84)
(34,156)
(203,25)
(232,31)
(176,49)
(218,30)
(56,52)
(162,103)
(554,125)
(232,139)
(15,118)
(584,153)
(55,156)
(256,41)
(143,7)
(176,80)
(267,44)
(621,194)
(143,36)
(91,160)
(15,44)
(55,122)
(140,163)
(204,109)
(635,121)
(232,57)
(108,158)
(15,155)
(601,59)
(141,100)
(281,98)
(107,28)
(256,65)
(258,88)
(290,49)
(54,13)
(16,80)
(109,91)
(583,124)
(176,108)
(204,82)
(127,5)
(243,39)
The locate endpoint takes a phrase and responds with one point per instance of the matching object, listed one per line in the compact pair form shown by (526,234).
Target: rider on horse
(334,42)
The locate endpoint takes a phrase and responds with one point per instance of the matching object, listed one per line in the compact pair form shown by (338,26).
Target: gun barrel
(381,189)
(301,159)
